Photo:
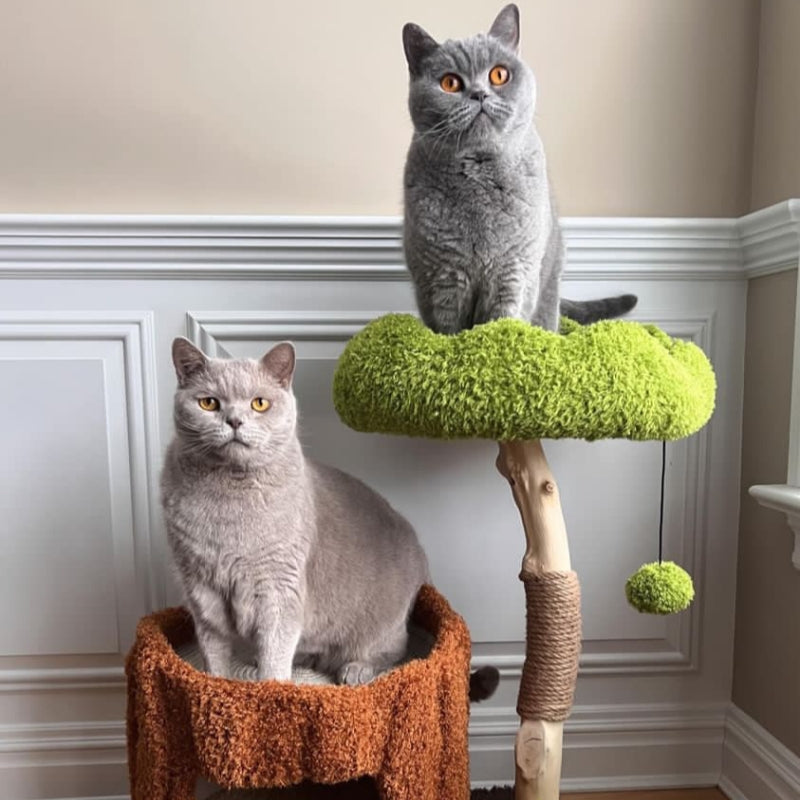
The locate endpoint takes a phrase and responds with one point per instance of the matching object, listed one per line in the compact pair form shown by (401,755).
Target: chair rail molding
(335,248)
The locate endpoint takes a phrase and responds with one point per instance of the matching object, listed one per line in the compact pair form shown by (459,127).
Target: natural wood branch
(523,463)
(537,752)
(525,467)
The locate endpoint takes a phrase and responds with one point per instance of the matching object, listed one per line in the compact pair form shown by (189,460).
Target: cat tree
(517,384)
(505,381)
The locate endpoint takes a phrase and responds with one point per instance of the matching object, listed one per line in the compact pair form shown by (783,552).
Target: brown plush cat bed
(407,729)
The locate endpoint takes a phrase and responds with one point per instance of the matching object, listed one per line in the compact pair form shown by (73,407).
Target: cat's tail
(587,311)
(483,683)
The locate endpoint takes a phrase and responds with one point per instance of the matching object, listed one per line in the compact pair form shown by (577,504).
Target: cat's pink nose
(234,422)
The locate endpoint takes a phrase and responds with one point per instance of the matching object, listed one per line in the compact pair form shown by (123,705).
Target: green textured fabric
(660,588)
(510,380)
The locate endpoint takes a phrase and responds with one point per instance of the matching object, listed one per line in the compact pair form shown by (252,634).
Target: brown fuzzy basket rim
(159,633)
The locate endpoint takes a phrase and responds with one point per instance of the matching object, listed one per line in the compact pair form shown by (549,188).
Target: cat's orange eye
(209,403)
(451,83)
(259,404)
(499,75)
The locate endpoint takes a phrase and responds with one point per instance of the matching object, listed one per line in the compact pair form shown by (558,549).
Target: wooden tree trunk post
(553,630)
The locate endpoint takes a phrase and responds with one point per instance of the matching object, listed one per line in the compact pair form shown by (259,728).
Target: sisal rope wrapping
(553,645)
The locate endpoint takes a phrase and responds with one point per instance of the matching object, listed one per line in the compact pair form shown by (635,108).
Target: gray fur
(481,235)
(299,559)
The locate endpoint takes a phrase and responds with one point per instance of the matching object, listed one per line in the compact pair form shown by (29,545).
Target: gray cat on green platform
(481,233)
(301,560)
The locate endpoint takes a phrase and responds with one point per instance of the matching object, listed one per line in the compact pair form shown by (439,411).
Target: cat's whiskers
(499,110)
(439,134)
(434,129)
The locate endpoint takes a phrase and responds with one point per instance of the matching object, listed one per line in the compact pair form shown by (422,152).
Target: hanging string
(661,512)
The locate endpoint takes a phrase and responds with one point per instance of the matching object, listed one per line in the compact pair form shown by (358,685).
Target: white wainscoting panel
(55,481)
(88,309)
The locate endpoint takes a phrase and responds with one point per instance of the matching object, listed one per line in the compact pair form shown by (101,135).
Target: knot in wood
(517,474)
(549,487)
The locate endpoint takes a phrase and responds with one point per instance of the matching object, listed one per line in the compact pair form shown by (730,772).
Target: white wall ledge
(784,498)
(770,243)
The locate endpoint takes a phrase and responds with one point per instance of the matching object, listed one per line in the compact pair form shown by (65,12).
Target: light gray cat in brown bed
(299,559)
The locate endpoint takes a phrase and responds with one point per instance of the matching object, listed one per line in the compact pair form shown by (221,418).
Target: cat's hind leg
(378,657)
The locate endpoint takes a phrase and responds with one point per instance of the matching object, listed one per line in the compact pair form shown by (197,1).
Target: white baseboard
(755,765)
(606,748)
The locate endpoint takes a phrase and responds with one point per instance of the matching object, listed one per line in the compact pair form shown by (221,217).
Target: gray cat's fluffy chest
(222,518)
(478,206)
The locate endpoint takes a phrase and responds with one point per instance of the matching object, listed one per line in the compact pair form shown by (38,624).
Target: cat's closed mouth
(483,116)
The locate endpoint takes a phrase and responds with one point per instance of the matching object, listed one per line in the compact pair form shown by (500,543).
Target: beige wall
(766,681)
(776,151)
(263,106)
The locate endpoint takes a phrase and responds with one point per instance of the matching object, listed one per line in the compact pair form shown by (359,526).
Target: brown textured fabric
(407,729)
(553,645)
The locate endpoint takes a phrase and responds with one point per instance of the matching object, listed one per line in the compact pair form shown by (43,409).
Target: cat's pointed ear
(279,363)
(417,44)
(188,359)
(506,27)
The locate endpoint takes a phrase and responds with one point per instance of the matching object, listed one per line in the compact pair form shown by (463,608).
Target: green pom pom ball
(660,588)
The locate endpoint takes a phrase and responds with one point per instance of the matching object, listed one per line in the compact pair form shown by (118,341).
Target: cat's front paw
(356,673)
(269,672)
(218,666)
(219,671)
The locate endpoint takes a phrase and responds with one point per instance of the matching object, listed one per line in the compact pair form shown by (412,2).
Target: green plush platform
(510,380)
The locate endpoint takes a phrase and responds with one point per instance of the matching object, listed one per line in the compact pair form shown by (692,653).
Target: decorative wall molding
(772,244)
(610,719)
(370,248)
(608,742)
(334,248)
(63,737)
(755,765)
(55,679)
(770,239)
(786,499)
(209,330)
(135,331)
(131,495)
(612,736)
(98,797)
